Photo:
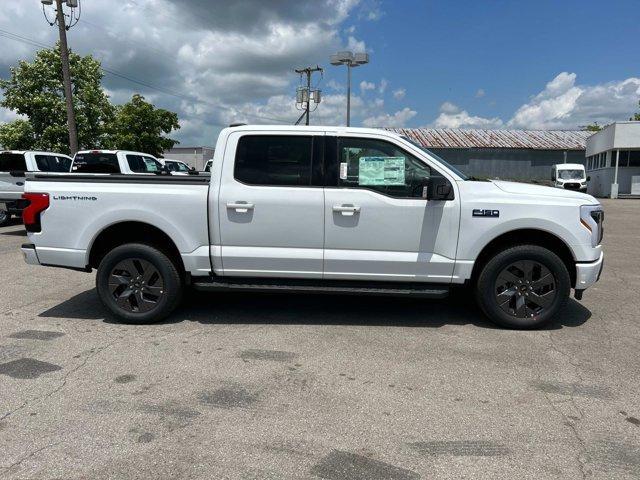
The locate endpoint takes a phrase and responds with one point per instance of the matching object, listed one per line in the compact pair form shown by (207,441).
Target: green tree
(141,127)
(593,127)
(17,135)
(636,117)
(35,90)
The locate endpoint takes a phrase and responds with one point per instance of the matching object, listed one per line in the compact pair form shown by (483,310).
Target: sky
(537,64)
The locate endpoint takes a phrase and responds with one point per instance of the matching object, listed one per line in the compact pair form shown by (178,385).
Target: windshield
(12,162)
(571,174)
(437,158)
(96,163)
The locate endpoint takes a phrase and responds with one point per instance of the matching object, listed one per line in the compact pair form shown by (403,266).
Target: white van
(571,176)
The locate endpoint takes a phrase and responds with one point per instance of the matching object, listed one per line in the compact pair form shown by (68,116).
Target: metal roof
(474,138)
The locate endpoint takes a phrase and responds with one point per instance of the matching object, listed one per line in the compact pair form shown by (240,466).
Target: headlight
(591,218)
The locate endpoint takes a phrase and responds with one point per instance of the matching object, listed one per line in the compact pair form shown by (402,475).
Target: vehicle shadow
(12,223)
(15,233)
(307,309)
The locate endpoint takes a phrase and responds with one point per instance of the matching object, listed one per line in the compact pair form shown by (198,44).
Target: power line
(166,91)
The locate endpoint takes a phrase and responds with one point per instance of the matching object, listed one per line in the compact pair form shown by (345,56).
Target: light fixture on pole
(351,60)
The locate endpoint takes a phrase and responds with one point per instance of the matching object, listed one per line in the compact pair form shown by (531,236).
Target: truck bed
(83,206)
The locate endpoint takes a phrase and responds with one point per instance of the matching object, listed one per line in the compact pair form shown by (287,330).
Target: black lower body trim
(286,285)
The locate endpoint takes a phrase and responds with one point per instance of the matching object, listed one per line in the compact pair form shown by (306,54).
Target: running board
(434,291)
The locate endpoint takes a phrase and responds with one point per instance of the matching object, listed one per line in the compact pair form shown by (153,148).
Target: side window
(182,167)
(51,163)
(151,164)
(135,163)
(12,162)
(380,166)
(140,164)
(280,160)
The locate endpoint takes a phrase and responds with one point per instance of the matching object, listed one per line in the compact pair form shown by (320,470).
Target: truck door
(378,225)
(271,215)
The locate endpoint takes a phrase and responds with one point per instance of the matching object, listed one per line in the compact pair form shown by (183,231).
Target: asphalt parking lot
(269,387)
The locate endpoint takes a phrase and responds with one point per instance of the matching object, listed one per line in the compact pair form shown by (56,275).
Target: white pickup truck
(319,209)
(116,161)
(15,166)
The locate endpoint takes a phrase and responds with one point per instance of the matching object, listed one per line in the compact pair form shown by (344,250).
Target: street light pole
(350,60)
(348,95)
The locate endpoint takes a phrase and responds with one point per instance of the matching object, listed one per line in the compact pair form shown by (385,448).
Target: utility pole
(64,58)
(304,95)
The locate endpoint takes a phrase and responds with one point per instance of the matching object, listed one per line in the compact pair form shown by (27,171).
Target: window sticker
(381,171)
(150,164)
(343,170)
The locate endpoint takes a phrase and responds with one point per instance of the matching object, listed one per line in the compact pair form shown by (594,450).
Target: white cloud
(354,45)
(371,10)
(223,55)
(399,93)
(451,116)
(382,86)
(565,105)
(364,86)
(398,119)
(562,105)
(480,93)
(333,85)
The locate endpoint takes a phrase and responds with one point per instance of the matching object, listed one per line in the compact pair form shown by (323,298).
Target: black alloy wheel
(136,285)
(525,288)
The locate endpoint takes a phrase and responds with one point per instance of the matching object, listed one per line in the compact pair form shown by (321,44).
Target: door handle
(346,210)
(240,207)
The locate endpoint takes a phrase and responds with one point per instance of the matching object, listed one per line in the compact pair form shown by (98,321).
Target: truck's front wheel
(138,283)
(523,286)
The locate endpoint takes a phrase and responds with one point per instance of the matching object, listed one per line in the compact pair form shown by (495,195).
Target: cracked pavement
(296,386)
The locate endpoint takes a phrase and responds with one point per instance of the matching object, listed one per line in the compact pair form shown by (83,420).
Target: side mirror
(589,178)
(439,188)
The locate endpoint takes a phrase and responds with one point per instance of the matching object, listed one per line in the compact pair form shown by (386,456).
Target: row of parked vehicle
(16,166)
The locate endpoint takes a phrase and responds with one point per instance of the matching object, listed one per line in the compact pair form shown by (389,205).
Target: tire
(5,218)
(139,283)
(523,287)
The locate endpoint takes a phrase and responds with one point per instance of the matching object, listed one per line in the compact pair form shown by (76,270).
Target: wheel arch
(526,236)
(122,233)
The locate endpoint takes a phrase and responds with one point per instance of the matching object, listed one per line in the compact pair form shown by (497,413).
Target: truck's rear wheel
(138,283)
(523,287)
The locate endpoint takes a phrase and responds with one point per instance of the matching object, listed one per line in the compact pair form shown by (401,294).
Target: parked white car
(116,161)
(571,176)
(15,166)
(208,165)
(176,166)
(319,209)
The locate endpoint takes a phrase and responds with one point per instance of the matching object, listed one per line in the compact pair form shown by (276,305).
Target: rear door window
(96,162)
(12,162)
(142,164)
(53,163)
(276,160)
